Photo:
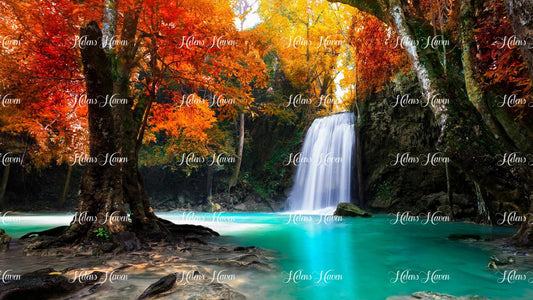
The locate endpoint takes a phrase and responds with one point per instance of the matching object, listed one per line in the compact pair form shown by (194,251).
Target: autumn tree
(136,70)
(307,37)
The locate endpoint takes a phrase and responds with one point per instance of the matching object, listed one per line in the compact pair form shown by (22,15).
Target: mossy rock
(5,239)
(426,295)
(350,210)
(213,207)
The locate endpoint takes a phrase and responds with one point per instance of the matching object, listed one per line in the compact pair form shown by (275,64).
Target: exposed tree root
(131,239)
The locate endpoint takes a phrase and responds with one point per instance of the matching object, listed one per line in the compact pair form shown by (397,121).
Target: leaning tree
(472,133)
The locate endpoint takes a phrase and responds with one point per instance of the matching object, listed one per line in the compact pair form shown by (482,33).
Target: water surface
(362,256)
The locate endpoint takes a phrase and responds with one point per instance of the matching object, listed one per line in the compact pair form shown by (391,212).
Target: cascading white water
(323,175)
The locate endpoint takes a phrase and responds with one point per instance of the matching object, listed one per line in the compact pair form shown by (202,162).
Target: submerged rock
(495,262)
(193,285)
(207,291)
(162,285)
(5,239)
(350,210)
(249,248)
(459,237)
(425,295)
(43,284)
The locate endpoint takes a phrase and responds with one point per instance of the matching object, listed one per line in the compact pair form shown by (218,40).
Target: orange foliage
(376,57)
(176,56)
(43,70)
(499,64)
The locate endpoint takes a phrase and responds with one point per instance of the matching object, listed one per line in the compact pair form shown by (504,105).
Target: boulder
(350,210)
(162,285)
(5,239)
(45,283)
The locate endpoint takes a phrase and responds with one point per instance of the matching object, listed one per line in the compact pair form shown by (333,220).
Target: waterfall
(323,175)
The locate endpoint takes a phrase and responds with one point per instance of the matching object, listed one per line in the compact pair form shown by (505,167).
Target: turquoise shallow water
(360,256)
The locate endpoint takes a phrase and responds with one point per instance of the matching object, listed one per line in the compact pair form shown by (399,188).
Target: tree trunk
(107,185)
(524,236)
(65,187)
(521,16)
(427,84)
(482,209)
(129,121)
(209,185)
(509,133)
(3,184)
(142,215)
(449,191)
(100,190)
(239,151)
(359,165)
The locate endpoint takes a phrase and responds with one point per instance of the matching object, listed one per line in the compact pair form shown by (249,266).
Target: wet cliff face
(397,134)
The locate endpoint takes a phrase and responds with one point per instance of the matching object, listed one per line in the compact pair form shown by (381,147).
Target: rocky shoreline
(193,269)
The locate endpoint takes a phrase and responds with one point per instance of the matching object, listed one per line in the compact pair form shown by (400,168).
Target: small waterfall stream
(323,175)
